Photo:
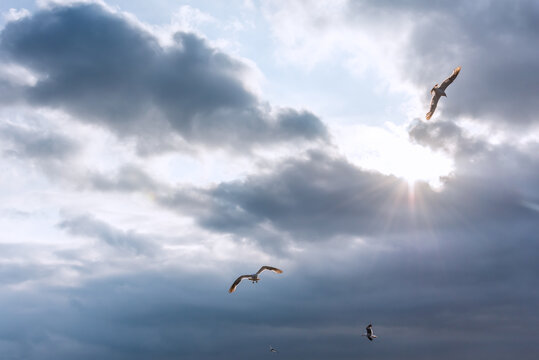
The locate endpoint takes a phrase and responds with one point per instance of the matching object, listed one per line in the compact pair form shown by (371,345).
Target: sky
(151,152)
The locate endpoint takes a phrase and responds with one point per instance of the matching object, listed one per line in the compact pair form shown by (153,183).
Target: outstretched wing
(433,103)
(265,267)
(237,282)
(450,79)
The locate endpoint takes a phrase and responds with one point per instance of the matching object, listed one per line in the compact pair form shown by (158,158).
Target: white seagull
(254,277)
(439,90)
(272,349)
(369,334)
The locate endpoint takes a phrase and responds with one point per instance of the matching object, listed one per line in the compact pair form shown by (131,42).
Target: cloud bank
(104,69)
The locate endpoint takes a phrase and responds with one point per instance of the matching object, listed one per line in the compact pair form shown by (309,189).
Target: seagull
(272,349)
(439,90)
(254,277)
(369,334)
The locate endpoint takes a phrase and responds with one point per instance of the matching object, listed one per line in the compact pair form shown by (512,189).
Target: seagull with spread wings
(369,334)
(272,349)
(439,90)
(254,277)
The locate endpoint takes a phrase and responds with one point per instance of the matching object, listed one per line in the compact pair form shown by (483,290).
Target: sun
(421,164)
(415,163)
(411,179)
(390,152)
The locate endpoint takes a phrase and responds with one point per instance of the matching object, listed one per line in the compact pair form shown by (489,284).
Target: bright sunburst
(389,151)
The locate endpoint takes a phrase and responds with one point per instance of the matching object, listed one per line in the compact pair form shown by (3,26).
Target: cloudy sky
(150,152)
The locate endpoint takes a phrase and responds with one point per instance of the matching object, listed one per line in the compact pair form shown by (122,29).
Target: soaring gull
(369,334)
(439,90)
(272,349)
(254,277)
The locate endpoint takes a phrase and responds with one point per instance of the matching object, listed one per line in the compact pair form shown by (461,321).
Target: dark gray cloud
(101,68)
(491,40)
(18,265)
(37,144)
(11,274)
(323,197)
(420,294)
(482,167)
(446,136)
(123,241)
(421,286)
(49,150)
(312,199)
(129,178)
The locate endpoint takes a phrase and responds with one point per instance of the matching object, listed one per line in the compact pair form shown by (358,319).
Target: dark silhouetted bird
(369,334)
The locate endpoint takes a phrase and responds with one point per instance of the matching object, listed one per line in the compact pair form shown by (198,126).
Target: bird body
(253,277)
(439,90)
(436,90)
(272,349)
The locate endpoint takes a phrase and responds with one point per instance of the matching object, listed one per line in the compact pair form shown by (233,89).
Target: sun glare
(390,152)
(415,163)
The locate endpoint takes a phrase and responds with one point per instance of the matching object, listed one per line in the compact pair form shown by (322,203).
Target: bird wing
(433,103)
(236,283)
(450,79)
(265,267)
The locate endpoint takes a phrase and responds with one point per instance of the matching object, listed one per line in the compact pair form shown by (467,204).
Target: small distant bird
(272,349)
(254,277)
(369,334)
(439,91)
